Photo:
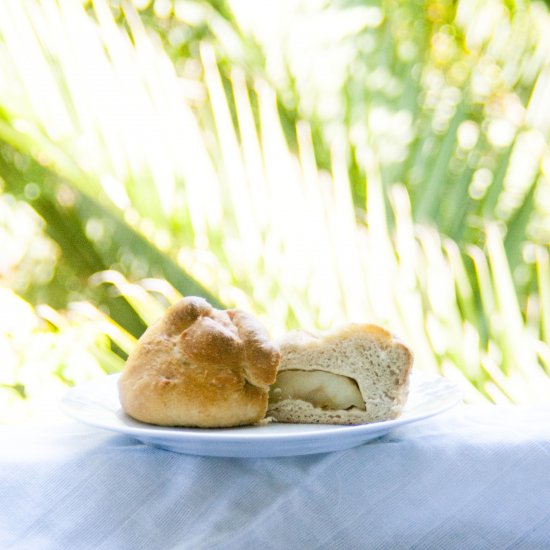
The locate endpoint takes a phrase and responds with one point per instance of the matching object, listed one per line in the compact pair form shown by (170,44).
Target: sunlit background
(313,162)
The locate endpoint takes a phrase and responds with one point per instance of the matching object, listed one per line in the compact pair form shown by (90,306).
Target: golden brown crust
(200,367)
(261,358)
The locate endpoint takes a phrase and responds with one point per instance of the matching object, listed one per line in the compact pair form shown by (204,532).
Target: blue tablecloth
(472,478)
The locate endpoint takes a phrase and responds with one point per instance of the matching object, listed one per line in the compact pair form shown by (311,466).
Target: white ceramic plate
(96,403)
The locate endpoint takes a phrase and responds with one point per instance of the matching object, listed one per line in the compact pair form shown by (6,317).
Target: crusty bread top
(199,366)
(310,350)
(305,339)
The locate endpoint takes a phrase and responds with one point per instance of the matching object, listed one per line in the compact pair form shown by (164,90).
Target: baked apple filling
(324,390)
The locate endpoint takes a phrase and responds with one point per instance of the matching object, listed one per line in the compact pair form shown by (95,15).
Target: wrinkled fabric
(475,478)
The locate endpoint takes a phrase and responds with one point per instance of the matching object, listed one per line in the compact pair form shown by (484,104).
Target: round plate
(97,403)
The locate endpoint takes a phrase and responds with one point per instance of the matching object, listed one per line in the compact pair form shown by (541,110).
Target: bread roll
(356,375)
(200,367)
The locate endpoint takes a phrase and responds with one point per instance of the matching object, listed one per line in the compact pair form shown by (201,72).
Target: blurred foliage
(312,162)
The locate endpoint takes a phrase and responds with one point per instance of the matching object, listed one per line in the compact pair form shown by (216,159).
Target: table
(472,478)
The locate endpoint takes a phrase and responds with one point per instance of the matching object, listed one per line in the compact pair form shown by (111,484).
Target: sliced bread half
(355,375)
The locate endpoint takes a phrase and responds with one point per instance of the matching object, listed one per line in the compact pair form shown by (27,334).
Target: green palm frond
(94,237)
(160,173)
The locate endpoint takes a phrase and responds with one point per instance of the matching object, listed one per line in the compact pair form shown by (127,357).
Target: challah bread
(355,375)
(200,367)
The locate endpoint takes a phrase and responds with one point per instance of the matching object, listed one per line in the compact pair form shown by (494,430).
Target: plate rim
(246,434)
